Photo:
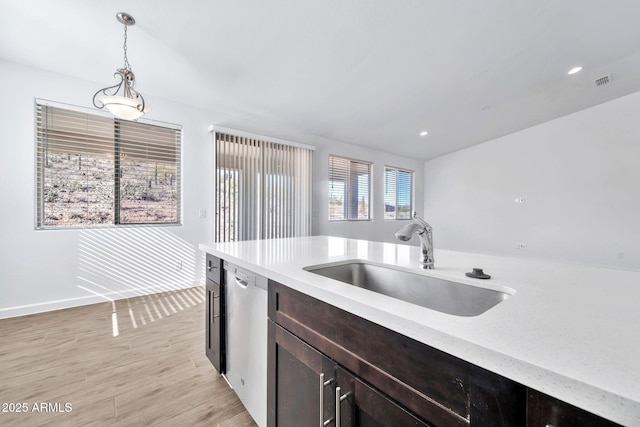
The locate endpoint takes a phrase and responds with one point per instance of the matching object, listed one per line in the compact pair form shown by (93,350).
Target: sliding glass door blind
(263,189)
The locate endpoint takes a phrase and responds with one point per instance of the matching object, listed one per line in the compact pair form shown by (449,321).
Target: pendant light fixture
(121,99)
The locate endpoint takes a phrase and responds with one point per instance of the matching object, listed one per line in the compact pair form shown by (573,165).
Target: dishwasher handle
(244,278)
(240,282)
(241,278)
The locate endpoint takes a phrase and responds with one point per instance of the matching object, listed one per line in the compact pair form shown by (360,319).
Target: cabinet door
(301,382)
(214,313)
(546,411)
(214,345)
(360,405)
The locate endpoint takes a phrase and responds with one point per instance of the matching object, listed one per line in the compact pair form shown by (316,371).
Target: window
(349,189)
(398,193)
(263,189)
(95,170)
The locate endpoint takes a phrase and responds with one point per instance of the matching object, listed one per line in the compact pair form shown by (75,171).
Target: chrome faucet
(424,232)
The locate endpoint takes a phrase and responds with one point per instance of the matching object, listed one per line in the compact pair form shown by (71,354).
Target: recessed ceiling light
(423,133)
(574,70)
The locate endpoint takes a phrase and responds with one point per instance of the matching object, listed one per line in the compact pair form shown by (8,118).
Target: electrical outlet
(202,213)
(519,200)
(520,245)
(620,255)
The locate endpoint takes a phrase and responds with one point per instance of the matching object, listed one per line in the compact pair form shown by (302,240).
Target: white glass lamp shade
(123,107)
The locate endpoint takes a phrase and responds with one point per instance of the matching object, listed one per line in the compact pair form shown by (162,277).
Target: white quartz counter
(570,331)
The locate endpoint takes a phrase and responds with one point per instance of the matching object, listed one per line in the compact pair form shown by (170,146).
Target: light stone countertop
(571,331)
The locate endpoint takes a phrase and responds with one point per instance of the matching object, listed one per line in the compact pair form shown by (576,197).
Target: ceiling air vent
(603,80)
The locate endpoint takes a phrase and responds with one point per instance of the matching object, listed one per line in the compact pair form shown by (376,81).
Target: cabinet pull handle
(322,400)
(339,399)
(211,294)
(323,384)
(212,267)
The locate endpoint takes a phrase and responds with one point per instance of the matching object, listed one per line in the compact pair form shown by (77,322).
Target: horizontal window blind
(96,170)
(263,189)
(398,193)
(349,189)
(405,194)
(145,142)
(390,193)
(338,188)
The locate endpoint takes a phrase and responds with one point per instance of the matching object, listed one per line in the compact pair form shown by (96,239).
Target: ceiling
(368,72)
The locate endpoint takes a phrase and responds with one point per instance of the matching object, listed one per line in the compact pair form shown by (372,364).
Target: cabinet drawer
(213,268)
(547,411)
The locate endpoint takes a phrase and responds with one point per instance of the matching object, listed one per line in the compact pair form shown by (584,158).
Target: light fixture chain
(127,66)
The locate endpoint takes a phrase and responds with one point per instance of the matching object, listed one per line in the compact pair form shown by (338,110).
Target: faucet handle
(420,221)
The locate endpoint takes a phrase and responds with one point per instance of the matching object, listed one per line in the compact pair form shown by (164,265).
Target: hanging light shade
(121,99)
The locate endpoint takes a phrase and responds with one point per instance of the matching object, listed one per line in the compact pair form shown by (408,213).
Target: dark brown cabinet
(303,379)
(379,377)
(329,367)
(215,318)
(311,389)
(547,411)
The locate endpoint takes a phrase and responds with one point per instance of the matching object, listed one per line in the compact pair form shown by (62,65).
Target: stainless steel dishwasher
(246,360)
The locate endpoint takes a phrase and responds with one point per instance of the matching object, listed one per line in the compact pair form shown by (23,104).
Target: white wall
(51,269)
(579,176)
(44,270)
(378,229)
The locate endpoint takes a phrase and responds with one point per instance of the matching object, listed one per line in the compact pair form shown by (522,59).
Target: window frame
(396,205)
(117,193)
(348,212)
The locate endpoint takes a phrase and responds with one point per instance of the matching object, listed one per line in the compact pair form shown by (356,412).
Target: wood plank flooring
(133,362)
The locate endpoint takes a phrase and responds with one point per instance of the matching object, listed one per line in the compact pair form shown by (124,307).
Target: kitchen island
(569,331)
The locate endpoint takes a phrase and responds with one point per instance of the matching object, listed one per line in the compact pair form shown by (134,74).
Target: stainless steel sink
(437,294)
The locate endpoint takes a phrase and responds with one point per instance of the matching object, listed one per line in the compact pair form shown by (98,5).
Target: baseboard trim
(42,307)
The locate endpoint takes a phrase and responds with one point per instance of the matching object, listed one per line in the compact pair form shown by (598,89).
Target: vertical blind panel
(78,156)
(262,189)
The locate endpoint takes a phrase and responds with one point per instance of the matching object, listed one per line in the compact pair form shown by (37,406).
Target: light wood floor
(152,372)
